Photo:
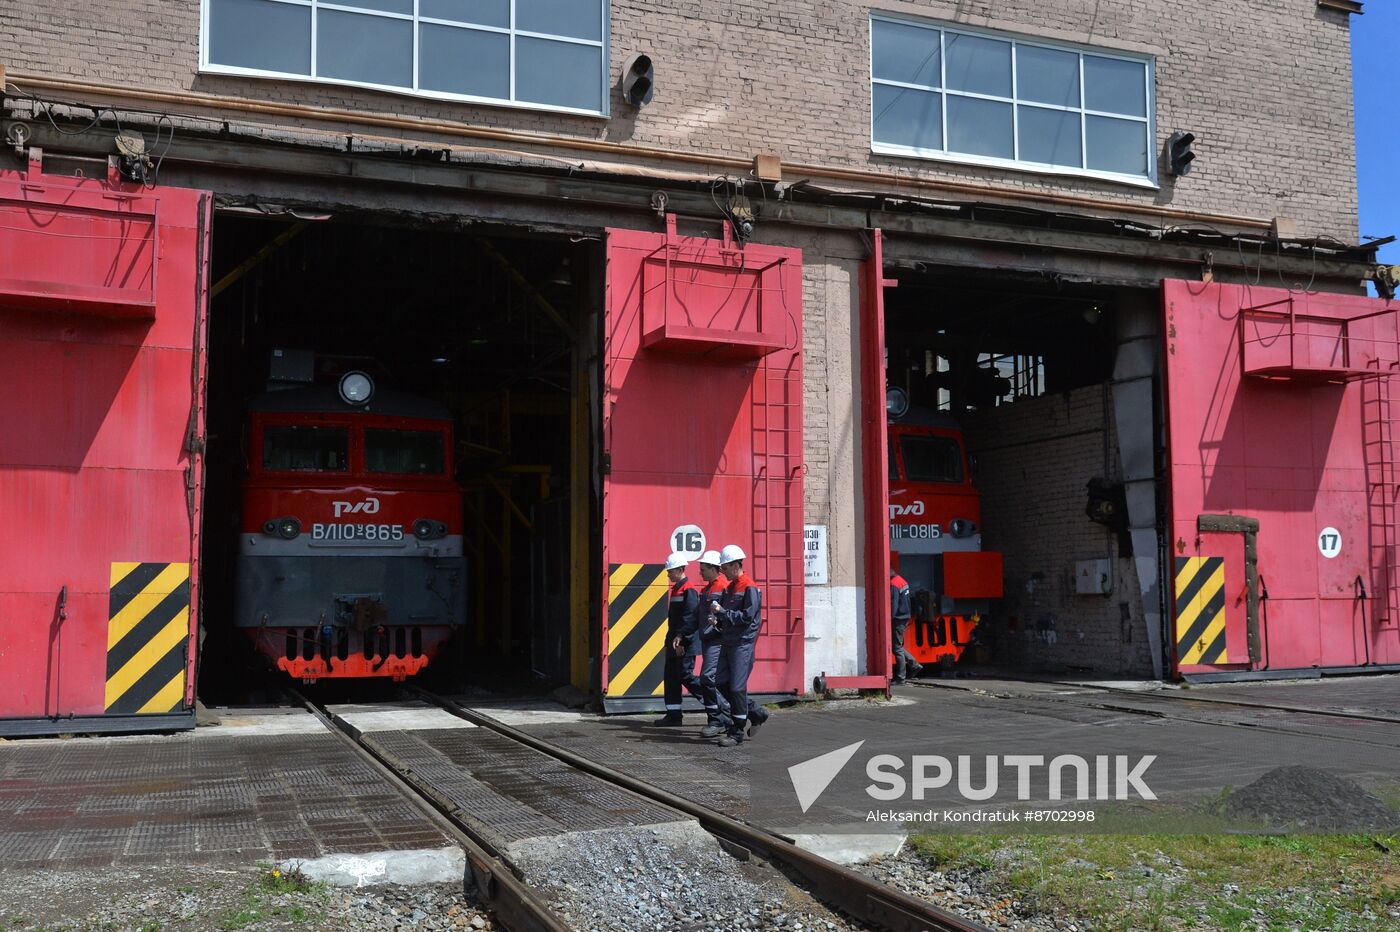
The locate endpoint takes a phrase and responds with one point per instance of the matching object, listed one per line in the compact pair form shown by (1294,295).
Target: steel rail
(516,906)
(1179,714)
(1242,703)
(853,893)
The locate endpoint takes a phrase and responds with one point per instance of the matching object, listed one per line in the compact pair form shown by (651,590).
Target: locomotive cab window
(302,448)
(932,459)
(404,451)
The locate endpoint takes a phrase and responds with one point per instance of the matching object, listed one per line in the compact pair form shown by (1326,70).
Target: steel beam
(473,193)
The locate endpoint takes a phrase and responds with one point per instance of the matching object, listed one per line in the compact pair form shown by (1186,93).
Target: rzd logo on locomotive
(370,506)
(899,511)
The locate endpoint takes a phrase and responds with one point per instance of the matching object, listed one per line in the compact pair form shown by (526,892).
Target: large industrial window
(534,53)
(1013,375)
(993,100)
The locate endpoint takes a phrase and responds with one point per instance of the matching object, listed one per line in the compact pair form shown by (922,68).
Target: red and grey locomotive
(350,558)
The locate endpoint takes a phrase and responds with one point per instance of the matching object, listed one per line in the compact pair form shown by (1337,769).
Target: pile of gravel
(1305,798)
(965,891)
(673,876)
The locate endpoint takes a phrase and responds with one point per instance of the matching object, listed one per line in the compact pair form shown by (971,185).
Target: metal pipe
(1360,585)
(1264,607)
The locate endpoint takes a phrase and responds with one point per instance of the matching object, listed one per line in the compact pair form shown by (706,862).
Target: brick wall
(1035,457)
(1267,91)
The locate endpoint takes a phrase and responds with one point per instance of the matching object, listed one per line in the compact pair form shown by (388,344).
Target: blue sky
(1377,83)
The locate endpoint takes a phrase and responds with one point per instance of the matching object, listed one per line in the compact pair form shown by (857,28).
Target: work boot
(917,671)
(732,739)
(897,681)
(756,719)
(713,729)
(670,720)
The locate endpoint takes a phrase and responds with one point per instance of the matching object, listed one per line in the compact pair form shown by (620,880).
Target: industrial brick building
(660,263)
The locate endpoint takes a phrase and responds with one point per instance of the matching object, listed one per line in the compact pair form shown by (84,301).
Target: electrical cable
(1259,262)
(45,108)
(1278,267)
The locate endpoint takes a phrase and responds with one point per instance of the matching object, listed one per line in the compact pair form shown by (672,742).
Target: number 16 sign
(688,539)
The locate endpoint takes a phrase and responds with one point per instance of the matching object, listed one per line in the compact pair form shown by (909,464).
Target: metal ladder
(1379,438)
(775,423)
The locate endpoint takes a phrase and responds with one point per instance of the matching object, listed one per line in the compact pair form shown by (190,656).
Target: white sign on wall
(689,540)
(1329,542)
(814,571)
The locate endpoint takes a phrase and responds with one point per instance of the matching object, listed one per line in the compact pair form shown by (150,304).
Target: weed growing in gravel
(291,880)
(244,917)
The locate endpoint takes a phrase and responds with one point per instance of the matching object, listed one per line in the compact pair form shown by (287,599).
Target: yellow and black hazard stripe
(1200,610)
(148,630)
(637,610)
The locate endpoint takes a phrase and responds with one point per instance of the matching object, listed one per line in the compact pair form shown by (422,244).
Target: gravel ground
(200,900)
(959,891)
(671,877)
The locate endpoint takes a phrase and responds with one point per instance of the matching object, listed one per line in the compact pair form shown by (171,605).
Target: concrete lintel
(849,848)
(404,868)
(412,716)
(244,723)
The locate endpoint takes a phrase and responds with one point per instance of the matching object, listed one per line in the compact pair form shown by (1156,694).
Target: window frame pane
(312,432)
(372,436)
(940,445)
(1147,63)
(417,20)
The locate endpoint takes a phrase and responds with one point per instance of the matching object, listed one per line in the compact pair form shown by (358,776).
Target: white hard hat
(731,554)
(710,558)
(677,561)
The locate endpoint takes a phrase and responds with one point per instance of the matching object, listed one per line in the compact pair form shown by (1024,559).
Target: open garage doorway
(474,348)
(1023,442)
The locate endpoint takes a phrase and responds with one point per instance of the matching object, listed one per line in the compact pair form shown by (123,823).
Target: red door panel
(1279,408)
(100,336)
(702,426)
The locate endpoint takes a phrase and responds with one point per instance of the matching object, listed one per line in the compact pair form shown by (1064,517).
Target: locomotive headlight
(896,402)
(285,528)
(356,388)
(427,529)
(961,527)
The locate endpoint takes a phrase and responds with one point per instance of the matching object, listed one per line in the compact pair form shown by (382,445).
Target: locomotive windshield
(303,448)
(403,451)
(932,459)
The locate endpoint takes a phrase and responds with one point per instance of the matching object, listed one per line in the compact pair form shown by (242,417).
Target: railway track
(521,908)
(856,895)
(518,907)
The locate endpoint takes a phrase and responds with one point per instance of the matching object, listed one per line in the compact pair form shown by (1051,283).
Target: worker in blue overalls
(711,592)
(899,623)
(682,640)
(738,617)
